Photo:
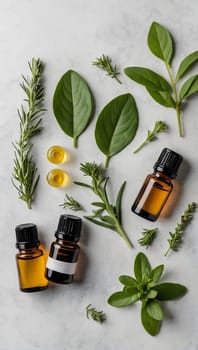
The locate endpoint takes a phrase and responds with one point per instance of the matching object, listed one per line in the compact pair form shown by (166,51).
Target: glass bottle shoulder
(31,253)
(160,179)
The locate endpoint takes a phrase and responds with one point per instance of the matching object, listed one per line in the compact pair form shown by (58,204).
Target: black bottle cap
(69,228)
(168,162)
(27,236)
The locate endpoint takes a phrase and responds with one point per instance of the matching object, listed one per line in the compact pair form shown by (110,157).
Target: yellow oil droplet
(56,155)
(57,178)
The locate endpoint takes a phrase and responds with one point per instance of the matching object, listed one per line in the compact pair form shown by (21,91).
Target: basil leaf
(128,281)
(116,125)
(186,64)
(141,266)
(156,273)
(151,325)
(148,78)
(151,294)
(73,104)
(169,291)
(154,310)
(160,42)
(118,202)
(120,299)
(164,98)
(189,88)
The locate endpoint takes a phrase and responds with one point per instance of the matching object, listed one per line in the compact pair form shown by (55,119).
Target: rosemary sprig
(148,236)
(176,237)
(104,62)
(25,173)
(98,316)
(159,126)
(113,219)
(71,203)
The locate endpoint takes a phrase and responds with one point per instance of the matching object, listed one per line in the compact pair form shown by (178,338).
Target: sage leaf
(186,64)
(169,291)
(151,325)
(160,42)
(148,78)
(118,201)
(116,125)
(128,281)
(154,310)
(156,273)
(141,266)
(164,98)
(73,104)
(120,299)
(189,88)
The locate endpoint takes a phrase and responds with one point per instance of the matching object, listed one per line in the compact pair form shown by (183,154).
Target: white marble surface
(70,35)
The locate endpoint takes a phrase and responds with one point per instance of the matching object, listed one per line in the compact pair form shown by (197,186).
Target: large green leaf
(120,299)
(160,42)
(189,88)
(156,273)
(151,325)
(169,291)
(164,98)
(186,64)
(116,125)
(154,310)
(128,281)
(148,78)
(73,104)
(141,266)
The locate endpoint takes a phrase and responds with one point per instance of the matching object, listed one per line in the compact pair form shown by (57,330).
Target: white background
(70,35)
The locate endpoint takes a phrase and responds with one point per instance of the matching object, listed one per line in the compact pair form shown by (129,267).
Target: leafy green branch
(71,203)
(164,92)
(148,236)
(105,214)
(159,126)
(98,316)
(104,62)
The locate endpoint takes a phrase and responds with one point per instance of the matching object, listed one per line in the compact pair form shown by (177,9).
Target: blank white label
(61,266)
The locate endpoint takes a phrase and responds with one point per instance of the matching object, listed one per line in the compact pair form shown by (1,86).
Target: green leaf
(108,219)
(151,294)
(141,266)
(128,281)
(73,104)
(118,202)
(154,310)
(120,299)
(116,125)
(156,273)
(151,325)
(164,98)
(98,204)
(148,78)
(189,88)
(160,42)
(186,64)
(100,223)
(169,291)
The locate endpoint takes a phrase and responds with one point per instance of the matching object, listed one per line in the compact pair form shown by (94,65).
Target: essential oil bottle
(157,186)
(30,259)
(64,252)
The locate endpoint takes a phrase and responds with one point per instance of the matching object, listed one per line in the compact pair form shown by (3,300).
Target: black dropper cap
(168,162)
(69,228)
(27,236)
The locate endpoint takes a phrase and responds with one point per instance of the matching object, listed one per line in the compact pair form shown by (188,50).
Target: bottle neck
(161,175)
(31,250)
(65,241)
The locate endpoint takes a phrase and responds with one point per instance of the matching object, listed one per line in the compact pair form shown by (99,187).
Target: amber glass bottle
(157,186)
(64,252)
(30,259)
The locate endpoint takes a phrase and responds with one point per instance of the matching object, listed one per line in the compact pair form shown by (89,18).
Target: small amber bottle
(30,259)
(64,252)
(157,186)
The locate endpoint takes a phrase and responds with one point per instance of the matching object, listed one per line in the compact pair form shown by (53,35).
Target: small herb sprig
(148,237)
(176,237)
(71,203)
(25,176)
(159,126)
(113,219)
(98,316)
(146,288)
(104,62)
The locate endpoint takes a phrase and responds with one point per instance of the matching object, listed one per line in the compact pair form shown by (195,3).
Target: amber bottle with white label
(64,252)
(157,186)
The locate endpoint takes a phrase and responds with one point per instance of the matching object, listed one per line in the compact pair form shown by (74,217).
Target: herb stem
(140,147)
(107,161)
(75,142)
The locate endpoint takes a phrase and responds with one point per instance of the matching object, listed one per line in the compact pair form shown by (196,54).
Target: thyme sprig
(148,236)
(113,217)
(104,62)
(159,126)
(71,203)
(98,316)
(176,237)
(25,176)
